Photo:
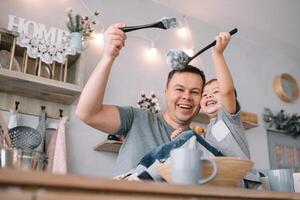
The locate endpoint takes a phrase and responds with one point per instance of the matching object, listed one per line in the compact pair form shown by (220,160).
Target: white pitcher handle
(214,173)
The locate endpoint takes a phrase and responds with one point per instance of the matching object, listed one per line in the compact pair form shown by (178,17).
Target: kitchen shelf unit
(26,80)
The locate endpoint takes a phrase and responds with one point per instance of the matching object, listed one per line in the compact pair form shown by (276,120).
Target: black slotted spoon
(25,137)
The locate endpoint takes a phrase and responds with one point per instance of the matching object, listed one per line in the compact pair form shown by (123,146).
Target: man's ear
(200,107)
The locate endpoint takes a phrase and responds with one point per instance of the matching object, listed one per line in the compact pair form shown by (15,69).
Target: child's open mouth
(210,102)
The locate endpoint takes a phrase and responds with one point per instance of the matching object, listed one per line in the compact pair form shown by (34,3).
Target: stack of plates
(5,60)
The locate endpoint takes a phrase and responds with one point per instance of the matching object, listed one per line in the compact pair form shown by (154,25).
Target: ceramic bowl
(231,171)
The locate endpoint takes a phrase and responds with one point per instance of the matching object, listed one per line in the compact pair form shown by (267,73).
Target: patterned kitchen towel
(51,128)
(42,130)
(7,142)
(2,138)
(13,119)
(56,152)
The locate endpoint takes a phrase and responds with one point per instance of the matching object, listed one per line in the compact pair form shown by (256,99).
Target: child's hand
(176,133)
(198,129)
(222,41)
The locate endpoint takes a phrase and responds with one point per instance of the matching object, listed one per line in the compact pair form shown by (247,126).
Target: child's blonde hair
(214,79)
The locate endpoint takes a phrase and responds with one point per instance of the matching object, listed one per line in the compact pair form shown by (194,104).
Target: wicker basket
(231,171)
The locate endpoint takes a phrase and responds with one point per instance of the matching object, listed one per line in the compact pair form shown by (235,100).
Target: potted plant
(80,28)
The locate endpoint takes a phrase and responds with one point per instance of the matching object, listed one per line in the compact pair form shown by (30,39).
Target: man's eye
(195,92)
(179,89)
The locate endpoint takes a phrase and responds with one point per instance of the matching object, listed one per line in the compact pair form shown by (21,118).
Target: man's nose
(187,95)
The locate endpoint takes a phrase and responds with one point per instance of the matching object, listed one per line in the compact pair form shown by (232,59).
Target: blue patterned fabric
(146,168)
(161,153)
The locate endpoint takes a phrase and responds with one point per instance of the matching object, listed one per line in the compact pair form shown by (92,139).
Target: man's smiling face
(183,95)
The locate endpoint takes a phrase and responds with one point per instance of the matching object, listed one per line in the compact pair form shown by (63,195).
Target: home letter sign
(37,30)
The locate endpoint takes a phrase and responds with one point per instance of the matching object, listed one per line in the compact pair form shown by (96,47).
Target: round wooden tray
(286,87)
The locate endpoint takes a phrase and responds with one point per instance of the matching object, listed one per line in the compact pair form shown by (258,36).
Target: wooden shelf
(245,116)
(108,146)
(38,87)
(249,125)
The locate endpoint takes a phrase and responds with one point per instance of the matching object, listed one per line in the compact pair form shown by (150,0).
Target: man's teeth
(185,106)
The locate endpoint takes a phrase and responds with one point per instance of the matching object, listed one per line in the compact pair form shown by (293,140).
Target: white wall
(253,68)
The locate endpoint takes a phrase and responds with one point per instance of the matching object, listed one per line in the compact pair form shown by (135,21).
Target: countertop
(15,184)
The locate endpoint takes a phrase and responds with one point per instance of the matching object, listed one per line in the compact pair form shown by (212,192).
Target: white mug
(186,166)
(280,180)
(296,177)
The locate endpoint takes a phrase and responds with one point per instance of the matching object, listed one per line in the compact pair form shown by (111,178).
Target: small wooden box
(249,117)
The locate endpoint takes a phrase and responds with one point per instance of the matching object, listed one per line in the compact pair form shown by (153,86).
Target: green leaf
(78,23)
(71,23)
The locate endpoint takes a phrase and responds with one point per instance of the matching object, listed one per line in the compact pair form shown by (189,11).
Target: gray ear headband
(177,59)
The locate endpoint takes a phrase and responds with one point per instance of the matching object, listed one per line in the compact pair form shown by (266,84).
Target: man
(143,130)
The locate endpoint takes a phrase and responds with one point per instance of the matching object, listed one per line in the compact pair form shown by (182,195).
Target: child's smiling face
(211,99)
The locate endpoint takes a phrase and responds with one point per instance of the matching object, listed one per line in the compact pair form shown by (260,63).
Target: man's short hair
(190,69)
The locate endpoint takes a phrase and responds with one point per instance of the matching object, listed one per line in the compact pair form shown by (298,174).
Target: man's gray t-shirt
(143,132)
(227,134)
